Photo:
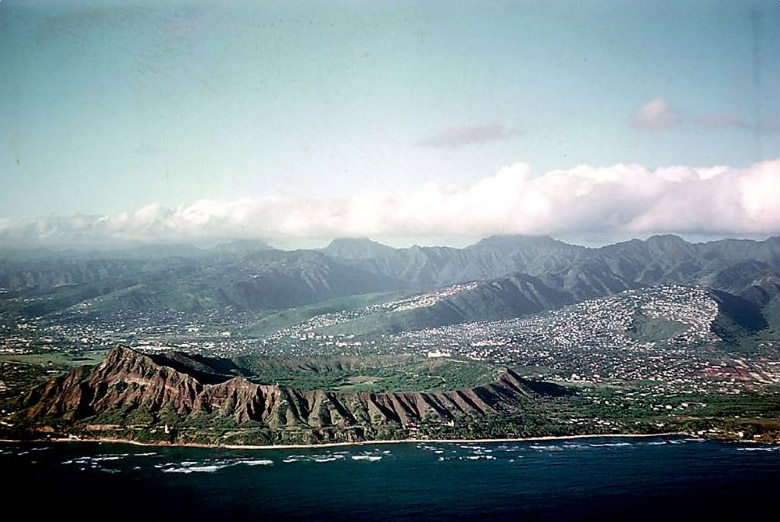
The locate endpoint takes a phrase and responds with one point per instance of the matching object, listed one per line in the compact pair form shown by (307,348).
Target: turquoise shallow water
(583,479)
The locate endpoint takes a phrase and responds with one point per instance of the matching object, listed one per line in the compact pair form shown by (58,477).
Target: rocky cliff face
(128,380)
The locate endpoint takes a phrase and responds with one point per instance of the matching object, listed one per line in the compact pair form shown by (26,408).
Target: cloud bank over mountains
(619,200)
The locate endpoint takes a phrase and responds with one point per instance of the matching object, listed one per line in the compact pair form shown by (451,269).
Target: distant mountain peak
(352,241)
(518,240)
(356,248)
(240,246)
(667,238)
(668,243)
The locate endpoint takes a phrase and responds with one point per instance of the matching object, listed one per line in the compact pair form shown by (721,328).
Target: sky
(410,121)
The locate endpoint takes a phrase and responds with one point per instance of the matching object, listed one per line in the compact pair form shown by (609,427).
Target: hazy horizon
(291,244)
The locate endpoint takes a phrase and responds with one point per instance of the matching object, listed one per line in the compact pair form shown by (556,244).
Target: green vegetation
(370,374)
(58,359)
(650,329)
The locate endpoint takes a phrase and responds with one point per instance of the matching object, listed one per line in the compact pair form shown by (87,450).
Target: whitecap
(256,462)
(367,458)
(546,448)
(199,467)
(194,469)
(80,461)
(481,457)
(325,459)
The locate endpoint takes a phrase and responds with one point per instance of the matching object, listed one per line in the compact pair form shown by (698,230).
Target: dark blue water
(585,479)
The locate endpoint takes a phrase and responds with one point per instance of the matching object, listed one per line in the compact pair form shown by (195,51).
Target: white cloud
(656,114)
(618,200)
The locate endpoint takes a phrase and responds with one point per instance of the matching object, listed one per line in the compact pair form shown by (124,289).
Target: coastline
(543,438)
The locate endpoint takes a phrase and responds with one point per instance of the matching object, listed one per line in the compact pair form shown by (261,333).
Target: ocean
(670,478)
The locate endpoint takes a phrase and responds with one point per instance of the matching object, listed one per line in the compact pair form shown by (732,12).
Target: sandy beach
(358,444)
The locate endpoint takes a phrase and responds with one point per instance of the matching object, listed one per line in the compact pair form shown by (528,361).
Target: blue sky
(108,107)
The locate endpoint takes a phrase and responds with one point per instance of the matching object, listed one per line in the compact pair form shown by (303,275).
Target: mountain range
(515,275)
